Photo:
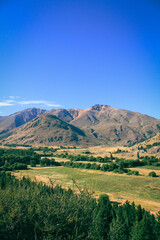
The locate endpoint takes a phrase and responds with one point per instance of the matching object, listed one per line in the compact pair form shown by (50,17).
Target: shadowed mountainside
(17,119)
(47,130)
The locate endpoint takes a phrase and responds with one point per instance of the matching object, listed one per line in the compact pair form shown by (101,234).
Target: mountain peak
(98,107)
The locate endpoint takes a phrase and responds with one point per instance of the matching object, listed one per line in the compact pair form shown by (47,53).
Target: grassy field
(144,171)
(142,190)
(127,152)
(102,151)
(151,167)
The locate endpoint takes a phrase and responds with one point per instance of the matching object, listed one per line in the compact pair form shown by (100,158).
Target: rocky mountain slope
(100,124)
(151,145)
(47,130)
(110,125)
(17,119)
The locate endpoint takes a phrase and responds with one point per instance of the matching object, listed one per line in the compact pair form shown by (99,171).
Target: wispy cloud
(13,101)
(14,97)
(38,102)
(6,103)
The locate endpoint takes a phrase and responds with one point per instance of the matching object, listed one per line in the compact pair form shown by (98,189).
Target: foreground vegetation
(143,190)
(143,186)
(31,210)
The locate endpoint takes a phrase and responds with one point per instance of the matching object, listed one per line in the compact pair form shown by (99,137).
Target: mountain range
(98,125)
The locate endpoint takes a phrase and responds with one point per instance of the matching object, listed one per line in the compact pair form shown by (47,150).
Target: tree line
(142,161)
(17,159)
(105,167)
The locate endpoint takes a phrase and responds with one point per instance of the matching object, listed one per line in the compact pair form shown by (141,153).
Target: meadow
(103,150)
(142,190)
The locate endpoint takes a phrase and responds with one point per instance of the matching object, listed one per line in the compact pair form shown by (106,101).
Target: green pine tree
(102,219)
(145,229)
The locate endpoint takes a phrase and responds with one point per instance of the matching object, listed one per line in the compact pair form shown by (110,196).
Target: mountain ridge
(17,119)
(107,122)
(101,124)
(47,130)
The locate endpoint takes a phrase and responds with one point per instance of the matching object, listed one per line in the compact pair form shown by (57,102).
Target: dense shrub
(84,158)
(19,166)
(152,174)
(104,167)
(31,210)
(33,163)
(45,162)
(11,156)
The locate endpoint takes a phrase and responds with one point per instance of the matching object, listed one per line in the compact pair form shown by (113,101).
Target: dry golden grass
(145,172)
(103,151)
(142,190)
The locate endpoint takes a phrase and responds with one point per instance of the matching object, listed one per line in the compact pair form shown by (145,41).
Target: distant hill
(17,119)
(47,130)
(151,145)
(98,125)
(110,125)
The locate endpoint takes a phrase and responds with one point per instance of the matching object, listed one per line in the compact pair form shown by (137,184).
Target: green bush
(19,166)
(136,173)
(44,162)
(31,210)
(152,174)
(104,168)
(33,163)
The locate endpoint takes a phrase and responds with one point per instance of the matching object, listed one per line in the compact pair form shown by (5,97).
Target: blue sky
(74,54)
